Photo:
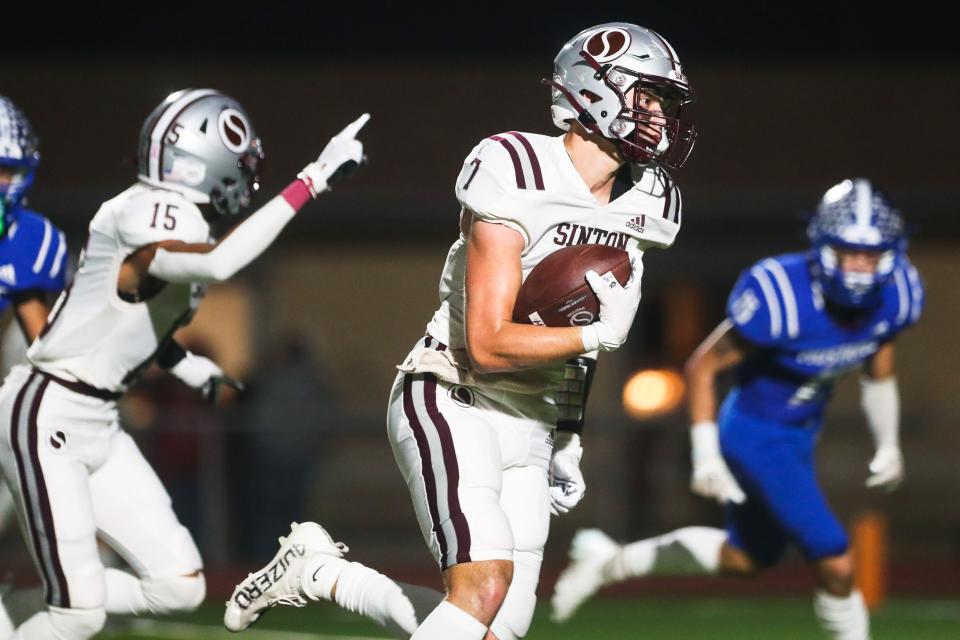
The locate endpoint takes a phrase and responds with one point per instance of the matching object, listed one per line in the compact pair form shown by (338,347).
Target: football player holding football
(485,415)
(795,323)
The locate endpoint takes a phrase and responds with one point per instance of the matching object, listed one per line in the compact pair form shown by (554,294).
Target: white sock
(843,618)
(690,550)
(124,593)
(449,622)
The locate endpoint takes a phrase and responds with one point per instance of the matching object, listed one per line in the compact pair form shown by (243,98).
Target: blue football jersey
(33,256)
(801,349)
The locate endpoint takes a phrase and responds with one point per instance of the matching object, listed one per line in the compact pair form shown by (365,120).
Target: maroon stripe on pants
(22,471)
(429,481)
(460,526)
(517,167)
(534,163)
(43,498)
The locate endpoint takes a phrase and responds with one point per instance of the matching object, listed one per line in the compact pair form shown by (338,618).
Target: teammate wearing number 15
(76,475)
(795,323)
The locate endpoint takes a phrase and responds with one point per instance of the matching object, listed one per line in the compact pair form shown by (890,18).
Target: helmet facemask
(232,195)
(855,216)
(671,140)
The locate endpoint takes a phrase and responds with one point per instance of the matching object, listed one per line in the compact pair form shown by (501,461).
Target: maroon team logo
(607,44)
(234,130)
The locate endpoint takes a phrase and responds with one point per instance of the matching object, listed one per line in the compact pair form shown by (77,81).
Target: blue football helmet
(855,215)
(18,152)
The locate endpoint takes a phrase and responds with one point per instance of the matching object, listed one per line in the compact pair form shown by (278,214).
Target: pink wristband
(296,194)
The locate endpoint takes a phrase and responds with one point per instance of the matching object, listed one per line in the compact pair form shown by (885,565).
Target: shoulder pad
(495,173)
(763,304)
(157,215)
(38,254)
(909,293)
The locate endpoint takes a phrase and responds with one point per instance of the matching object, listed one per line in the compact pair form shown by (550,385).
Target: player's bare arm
(880,366)
(493,278)
(31,309)
(721,350)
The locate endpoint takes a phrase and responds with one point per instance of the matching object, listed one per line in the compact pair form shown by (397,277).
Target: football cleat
(590,550)
(279,582)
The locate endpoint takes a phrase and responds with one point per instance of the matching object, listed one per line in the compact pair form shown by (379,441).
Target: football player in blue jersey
(795,323)
(33,252)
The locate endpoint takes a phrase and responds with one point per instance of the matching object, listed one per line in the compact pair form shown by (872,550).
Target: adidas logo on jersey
(637,223)
(8,274)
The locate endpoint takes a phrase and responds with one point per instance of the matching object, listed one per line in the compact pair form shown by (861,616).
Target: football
(556,293)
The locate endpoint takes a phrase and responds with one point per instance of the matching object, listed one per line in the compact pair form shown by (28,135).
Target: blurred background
(792,98)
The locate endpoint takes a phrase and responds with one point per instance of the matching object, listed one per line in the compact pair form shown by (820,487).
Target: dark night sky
(470,28)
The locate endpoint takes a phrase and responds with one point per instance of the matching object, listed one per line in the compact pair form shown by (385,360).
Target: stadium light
(651,393)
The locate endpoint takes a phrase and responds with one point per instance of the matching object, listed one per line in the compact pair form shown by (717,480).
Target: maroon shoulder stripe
(534,163)
(517,168)
(667,195)
(679,210)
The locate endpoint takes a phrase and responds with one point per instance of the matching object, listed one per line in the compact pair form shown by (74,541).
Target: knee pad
(75,624)
(516,613)
(174,593)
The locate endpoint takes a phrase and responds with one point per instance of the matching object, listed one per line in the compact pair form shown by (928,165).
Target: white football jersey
(527,182)
(93,335)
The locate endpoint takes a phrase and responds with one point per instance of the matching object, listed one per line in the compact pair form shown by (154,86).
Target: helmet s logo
(234,130)
(607,45)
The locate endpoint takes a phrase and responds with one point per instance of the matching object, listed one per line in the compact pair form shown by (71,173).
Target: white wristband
(705,439)
(590,337)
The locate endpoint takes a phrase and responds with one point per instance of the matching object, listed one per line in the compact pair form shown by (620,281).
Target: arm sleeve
(247,241)
(880,400)
(484,187)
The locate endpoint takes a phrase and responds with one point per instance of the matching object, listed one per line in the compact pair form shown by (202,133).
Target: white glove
(203,373)
(618,306)
(886,468)
(566,481)
(341,157)
(711,477)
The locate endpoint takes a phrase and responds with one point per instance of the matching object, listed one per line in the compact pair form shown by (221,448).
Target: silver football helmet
(598,79)
(201,142)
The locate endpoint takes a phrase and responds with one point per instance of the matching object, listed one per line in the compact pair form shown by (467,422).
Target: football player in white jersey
(472,414)
(75,474)
(33,252)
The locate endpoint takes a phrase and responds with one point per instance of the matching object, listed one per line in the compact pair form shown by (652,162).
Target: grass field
(604,619)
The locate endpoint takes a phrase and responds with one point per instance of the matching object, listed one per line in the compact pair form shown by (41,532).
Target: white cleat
(590,550)
(279,582)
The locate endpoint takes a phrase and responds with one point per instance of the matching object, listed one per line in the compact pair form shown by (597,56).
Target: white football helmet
(598,78)
(201,142)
